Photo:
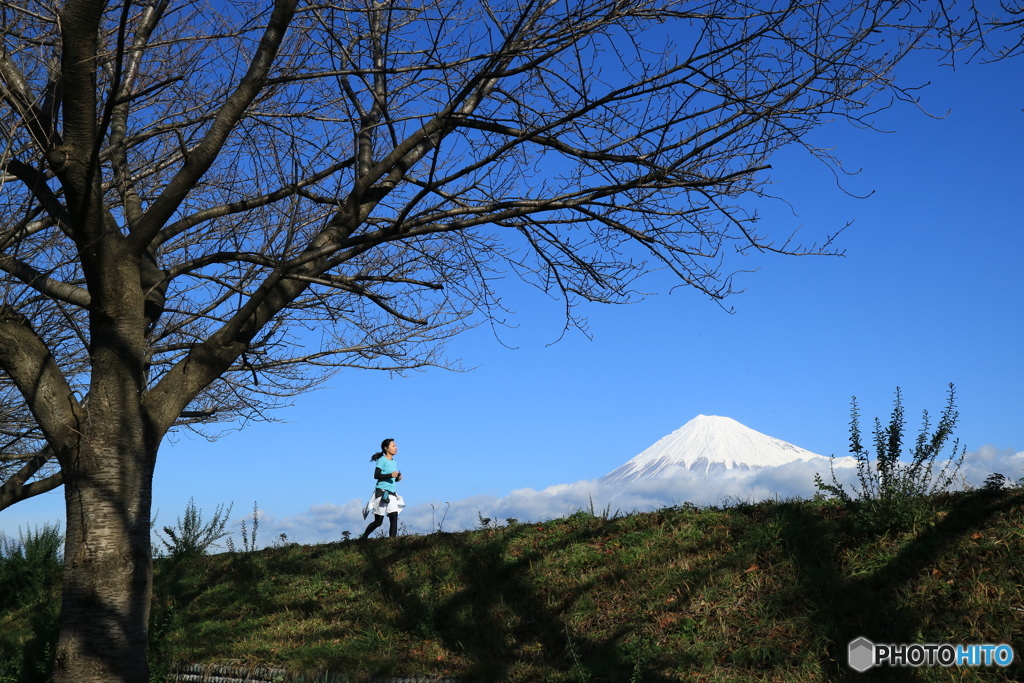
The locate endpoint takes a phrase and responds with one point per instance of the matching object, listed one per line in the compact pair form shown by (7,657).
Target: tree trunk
(107,564)
(108,487)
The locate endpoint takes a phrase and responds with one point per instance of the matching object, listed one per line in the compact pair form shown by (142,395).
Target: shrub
(997,481)
(30,565)
(893,493)
(30,569)
(191,537)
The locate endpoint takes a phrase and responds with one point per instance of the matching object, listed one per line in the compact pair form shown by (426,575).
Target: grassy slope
(769,592)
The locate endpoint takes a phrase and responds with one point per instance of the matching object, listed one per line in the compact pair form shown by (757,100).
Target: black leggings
(378,520)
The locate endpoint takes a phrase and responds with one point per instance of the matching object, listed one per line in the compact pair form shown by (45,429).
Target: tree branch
(45,285)
(15,490)
(29,363)
(203,156)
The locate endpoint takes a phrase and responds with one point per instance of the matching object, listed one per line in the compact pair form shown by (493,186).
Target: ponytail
(383,448)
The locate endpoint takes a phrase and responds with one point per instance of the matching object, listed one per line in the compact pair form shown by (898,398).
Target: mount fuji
(711,444)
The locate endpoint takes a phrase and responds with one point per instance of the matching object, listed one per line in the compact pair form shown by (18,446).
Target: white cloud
(326,522)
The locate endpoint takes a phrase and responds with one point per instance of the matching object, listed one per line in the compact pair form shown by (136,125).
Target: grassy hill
(766,592)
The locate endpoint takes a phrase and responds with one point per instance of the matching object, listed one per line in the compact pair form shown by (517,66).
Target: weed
(579,670)
(30,564)
(642,653)
(893,494)
(439,526)
(249,535)
(30,570)
(605,514)
(191,537)
(998,482)
(485,522)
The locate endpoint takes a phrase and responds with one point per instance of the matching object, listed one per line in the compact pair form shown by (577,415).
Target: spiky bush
(190,536)
(893,493)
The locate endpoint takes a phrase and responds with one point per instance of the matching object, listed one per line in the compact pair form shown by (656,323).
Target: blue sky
(930,291)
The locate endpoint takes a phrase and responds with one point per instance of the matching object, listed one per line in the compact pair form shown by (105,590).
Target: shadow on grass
(654,597)
(503,618)
(505,611)
(874,604)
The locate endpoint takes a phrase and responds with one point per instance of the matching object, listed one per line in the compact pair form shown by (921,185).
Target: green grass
(765,592)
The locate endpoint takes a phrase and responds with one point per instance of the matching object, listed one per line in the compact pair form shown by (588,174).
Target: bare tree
(999,23)
(209,208)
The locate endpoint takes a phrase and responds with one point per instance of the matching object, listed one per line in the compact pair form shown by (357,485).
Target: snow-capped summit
(710,443)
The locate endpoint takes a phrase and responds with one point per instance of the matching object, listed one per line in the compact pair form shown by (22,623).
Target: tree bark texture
(108,477)
(107,572)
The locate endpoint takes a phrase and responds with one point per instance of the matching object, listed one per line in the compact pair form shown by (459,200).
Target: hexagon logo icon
(862,654)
